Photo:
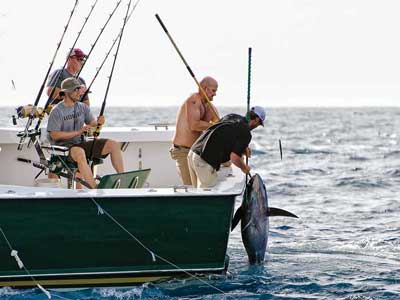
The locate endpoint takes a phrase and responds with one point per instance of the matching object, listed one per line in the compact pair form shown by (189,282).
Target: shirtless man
(194,116)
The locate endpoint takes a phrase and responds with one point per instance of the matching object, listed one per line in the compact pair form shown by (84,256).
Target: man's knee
(111,146)
(77,154)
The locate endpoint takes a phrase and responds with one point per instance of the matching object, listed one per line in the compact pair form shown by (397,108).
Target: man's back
(231,134)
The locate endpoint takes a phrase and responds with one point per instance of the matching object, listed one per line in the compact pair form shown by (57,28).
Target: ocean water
(340,173)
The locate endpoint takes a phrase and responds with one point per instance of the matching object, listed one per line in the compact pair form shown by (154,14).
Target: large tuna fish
(254,214)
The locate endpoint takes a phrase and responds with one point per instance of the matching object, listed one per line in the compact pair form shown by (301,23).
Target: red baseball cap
(77,52)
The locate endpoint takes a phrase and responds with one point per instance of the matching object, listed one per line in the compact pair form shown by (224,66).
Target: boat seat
(126,180)
(59,162)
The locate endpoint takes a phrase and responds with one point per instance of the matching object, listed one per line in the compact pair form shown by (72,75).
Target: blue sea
(340,173)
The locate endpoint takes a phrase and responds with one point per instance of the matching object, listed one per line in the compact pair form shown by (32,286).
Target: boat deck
(230,182)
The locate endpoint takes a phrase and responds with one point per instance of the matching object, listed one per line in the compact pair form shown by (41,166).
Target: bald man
(194,116)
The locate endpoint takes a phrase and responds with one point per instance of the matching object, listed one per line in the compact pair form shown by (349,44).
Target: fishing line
(155,254)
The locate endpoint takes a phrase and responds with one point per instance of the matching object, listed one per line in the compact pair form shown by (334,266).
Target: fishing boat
(136,227)
(114,236)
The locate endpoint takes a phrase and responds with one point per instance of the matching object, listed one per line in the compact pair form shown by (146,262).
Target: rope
(14,253)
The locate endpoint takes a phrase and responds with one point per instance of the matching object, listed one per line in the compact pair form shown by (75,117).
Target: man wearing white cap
(76,58)
(227,140)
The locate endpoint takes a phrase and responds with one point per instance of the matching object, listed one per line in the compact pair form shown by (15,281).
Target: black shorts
(87,146)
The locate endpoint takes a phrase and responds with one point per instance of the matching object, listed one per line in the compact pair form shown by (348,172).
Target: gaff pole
(187,67)
(248,96)
(31,115)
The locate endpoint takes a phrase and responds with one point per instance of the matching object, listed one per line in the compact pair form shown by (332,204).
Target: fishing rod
(47,107)
(96,133)
(107,54)
(42,112)
(98,37)
(188,67)
(32,113)
(248,97)
(103,106)
(50,99)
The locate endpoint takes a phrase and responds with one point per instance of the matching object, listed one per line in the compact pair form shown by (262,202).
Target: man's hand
(247,152)
(84,129)
(246,169)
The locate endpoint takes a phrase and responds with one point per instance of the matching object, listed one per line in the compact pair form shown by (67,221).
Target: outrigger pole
(31,115)
(107,54)
(187,67)
(50,99)
(96,133)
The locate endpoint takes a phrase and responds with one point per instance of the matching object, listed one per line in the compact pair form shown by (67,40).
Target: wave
(393,173)
(358,158)
(361,182)
(391,154)
(311,151)
(311,171)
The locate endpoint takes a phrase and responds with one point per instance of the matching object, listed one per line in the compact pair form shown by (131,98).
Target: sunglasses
(77,88)
(79,58)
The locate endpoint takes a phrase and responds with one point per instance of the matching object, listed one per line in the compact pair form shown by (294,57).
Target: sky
(305,52)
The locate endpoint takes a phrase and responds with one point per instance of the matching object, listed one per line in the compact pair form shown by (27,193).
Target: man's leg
(206,175)
(180,155)
(53,175)
(78,155)
(192,172)
(114,149)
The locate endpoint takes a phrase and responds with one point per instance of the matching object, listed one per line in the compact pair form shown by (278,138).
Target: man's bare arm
(193,115)
(238,162)
(66,135)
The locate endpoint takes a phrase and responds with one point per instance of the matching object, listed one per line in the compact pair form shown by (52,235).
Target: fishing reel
(91,134)
(29,133)
(56,164)
(26,110)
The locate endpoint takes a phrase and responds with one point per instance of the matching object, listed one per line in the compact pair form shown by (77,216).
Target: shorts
(87,147)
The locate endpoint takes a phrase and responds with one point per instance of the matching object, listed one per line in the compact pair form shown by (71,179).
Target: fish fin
(273,212)
(237,217)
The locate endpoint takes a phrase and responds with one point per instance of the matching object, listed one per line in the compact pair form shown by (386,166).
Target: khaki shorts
(179,154)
